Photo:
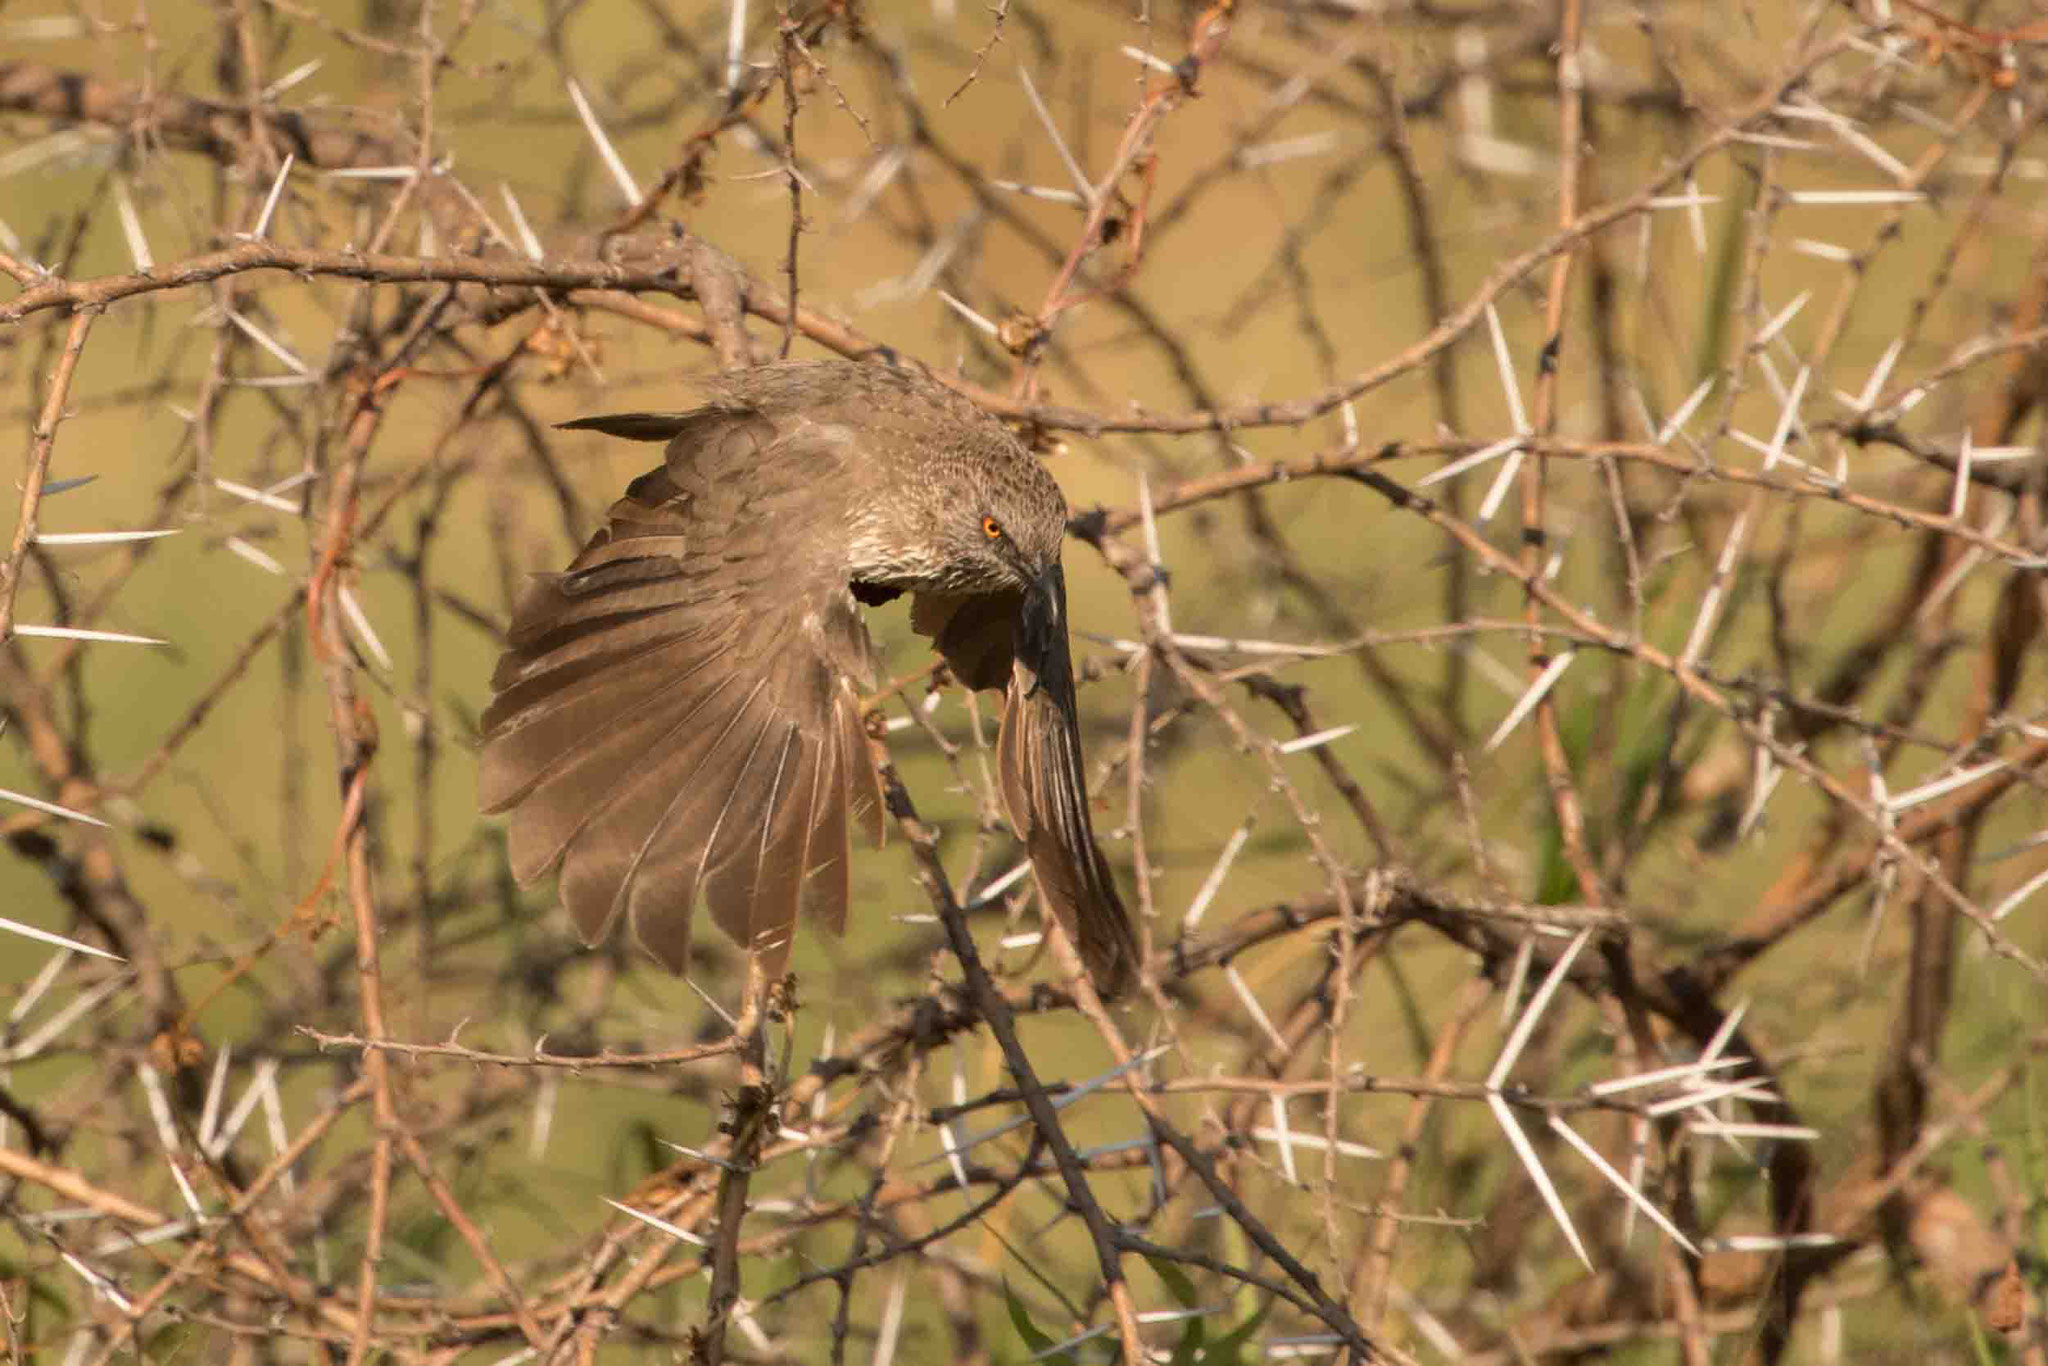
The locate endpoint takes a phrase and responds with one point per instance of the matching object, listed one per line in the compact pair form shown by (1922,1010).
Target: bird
(676,717)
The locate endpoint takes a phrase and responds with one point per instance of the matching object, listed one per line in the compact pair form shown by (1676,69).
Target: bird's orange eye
(991,528)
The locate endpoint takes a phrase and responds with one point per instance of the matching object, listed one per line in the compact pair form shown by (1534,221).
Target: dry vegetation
(1564,507)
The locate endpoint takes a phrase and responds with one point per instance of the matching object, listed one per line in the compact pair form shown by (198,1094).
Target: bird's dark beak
(1042,637)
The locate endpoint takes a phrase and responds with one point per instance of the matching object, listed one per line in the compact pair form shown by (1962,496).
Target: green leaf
(1177,1283)
(1228,1350)
(1188,1350)
(1724,278)
(1047,1283)
(1035,1338)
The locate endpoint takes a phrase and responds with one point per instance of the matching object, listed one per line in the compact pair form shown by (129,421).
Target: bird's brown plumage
(676,716)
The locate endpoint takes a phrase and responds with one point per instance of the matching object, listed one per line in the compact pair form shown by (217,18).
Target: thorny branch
(1770,605)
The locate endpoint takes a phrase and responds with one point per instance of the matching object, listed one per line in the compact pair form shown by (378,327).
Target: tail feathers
(1045,789)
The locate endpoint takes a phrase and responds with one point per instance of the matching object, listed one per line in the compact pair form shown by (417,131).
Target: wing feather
(671,722)
(622,856)
(625,776)
(828,848)
(705,826)
(857,761)
(758,866)
(604,716)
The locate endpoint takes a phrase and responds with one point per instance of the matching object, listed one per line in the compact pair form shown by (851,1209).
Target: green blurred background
(1271,268)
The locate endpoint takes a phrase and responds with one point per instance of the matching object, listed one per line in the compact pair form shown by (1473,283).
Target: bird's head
(973,516)
(1014,540)
(968,515)
(1000,519)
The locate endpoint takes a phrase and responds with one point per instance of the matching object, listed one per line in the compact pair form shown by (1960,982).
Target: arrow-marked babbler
(676,716)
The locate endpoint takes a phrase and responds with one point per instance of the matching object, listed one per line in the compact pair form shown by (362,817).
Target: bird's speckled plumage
(675,717)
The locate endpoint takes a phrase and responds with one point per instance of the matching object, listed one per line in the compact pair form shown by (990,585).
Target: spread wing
(987,641)
(675,718)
